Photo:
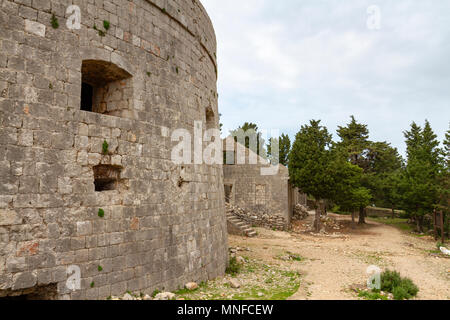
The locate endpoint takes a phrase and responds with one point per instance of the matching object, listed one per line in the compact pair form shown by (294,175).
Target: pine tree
(444,182)
(355,142)
(447,147)
(382,177)
(390,190)
(422,172)
(413,140)
(284,145)
(309,165)
(348,192)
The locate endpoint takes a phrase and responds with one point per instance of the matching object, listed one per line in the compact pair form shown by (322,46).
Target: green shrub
(106,24)
(371,295)
(401,288)
(233,267)
(101,213)
(410,288)
(401,293)
(390,280)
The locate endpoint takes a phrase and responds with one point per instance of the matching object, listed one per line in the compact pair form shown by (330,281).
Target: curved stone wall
(125,215)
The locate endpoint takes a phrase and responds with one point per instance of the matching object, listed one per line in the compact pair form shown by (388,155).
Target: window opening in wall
(210,118)
(107,178)
(106,88)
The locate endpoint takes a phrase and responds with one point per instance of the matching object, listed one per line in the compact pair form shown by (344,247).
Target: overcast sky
(282,63)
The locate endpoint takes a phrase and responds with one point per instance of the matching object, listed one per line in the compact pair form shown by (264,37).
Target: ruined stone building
(268,197)
(86,177)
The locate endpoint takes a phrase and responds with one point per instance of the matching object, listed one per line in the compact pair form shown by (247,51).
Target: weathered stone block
(84,228)
(24,280)
(9,218)
(33,27)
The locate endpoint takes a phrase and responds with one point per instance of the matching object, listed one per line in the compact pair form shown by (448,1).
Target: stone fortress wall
(265,200)
(126,215)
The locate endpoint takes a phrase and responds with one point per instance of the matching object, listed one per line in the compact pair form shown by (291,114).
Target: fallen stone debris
(331,223)
(300,212)
(235,284)
(191,286)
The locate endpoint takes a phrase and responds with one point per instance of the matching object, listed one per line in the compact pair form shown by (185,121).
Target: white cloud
(282,63)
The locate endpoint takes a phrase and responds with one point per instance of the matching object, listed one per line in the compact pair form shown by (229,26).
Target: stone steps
(239,227)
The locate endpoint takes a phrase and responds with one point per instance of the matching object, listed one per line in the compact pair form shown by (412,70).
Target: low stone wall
(259,219)
(381,212)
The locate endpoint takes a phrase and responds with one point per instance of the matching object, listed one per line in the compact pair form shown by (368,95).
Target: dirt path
(333,264)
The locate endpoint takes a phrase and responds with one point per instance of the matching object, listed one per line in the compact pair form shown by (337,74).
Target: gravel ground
(334,263)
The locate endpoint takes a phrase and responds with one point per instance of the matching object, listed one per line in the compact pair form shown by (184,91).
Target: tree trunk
(393,212)
(353,219)
(362,215)
(317,222)
(419,223)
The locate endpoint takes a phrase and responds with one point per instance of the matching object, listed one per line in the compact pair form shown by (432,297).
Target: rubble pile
(300,213)
(330,223)
(258,219)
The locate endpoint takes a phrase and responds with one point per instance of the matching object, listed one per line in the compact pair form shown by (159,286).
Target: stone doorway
(228,193)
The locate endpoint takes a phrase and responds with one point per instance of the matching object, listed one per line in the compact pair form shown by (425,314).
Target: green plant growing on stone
(54,22)
(101,213)
(149,73)
(155,293)
(101,33)
(233,268)
(92,284)
(100,268)
(105,147)
(50,86)
(178,71)
(106,24)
